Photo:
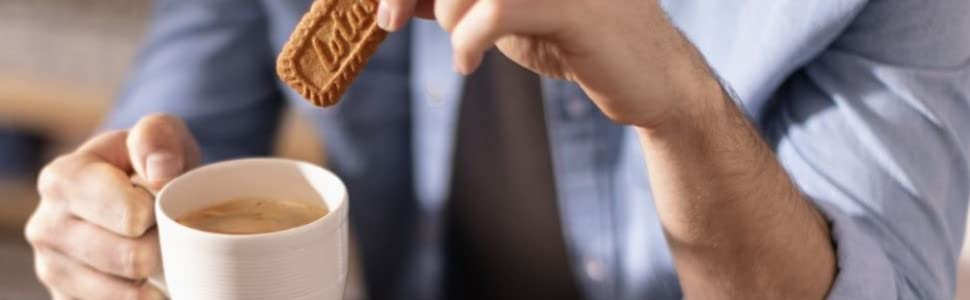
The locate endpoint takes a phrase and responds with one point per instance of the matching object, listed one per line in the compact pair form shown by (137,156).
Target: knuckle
(136,218)
(139,259)
(51,179)
(39,228)
(126,257)
(34,230)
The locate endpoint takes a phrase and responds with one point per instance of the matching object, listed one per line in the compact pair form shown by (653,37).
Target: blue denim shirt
(867,104)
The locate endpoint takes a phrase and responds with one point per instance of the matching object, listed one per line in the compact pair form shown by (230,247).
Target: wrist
(701,105)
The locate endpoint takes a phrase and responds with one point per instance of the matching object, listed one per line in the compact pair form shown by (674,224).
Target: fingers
(89,232)
(393,14)
(109,147)
(67,278)
(160,148)
(449,12)
(130,258)
(97,192)
(478,31)
(476,25)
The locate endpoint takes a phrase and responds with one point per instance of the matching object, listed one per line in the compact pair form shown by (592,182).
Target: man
(864,104)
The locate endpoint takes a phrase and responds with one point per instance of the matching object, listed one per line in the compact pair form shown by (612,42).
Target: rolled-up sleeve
(210,63)
(875,132)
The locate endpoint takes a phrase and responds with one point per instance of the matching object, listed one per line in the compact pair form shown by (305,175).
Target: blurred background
(61,62)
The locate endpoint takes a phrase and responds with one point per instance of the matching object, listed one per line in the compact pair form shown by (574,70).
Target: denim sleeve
(210,63)
(874,131)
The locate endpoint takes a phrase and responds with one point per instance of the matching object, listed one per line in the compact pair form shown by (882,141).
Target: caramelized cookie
(329,47)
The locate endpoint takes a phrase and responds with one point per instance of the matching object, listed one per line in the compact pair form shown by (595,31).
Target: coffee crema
(253,216)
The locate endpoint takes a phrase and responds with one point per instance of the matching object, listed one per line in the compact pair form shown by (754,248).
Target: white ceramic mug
(305,262)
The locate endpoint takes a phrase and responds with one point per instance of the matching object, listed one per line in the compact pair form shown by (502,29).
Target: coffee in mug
(253,215)
(293,261)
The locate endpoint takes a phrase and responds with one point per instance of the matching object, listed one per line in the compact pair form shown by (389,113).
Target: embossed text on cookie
(329,47)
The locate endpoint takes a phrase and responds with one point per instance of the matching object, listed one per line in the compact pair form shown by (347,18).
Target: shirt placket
(580,138)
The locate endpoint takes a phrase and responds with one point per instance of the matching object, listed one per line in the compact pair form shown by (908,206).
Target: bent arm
(737,226)
(871,132)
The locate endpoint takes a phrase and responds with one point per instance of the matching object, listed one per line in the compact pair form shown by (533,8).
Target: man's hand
(737,226)
(629,59)
(92,234)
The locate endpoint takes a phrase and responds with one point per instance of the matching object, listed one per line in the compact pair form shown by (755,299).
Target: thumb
(161,148)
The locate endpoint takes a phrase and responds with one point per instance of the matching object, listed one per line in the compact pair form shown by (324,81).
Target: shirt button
(434,95)
(595,269)
(577,107)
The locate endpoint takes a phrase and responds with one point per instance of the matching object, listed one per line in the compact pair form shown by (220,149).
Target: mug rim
(330,221)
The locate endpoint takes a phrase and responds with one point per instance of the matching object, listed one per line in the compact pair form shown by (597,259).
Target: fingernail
(456,64)
(162,166)
(384,16)
(460,66)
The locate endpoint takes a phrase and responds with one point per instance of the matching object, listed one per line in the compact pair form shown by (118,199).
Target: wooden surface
(64,115)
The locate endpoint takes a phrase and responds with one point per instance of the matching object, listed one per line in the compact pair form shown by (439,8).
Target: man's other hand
(625,54)
(93,233)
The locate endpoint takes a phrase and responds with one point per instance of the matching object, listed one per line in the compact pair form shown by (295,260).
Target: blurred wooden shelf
(60,111)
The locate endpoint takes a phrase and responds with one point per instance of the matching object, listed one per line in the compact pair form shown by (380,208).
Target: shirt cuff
(863,268)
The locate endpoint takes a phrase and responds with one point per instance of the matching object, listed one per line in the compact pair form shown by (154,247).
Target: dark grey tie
(504,236)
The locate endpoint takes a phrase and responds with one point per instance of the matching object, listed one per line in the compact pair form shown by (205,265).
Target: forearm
(736,224)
